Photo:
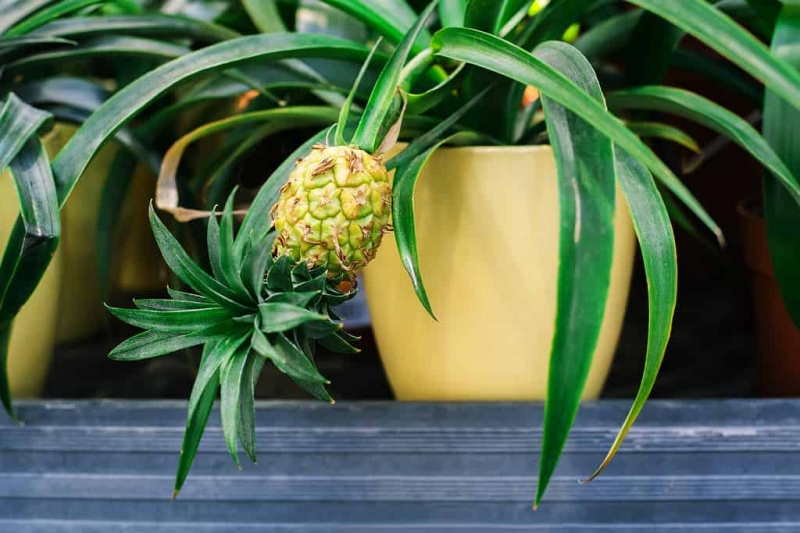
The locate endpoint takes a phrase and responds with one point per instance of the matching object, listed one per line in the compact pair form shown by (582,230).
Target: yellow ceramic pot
(487,224)
(34,330)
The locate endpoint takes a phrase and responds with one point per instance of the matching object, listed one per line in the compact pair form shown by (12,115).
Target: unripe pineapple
(333,210)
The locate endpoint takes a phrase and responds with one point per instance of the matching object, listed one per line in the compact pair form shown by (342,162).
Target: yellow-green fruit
(334,210)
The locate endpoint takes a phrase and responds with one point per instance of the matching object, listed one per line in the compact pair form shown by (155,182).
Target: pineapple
(334,210)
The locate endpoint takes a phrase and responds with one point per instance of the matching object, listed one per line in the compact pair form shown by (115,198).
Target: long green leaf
(657,243)
(199,411)
(65,7)
(116,46)
(587,191)
(151,25)
(128,102)
(493,53)
(703,111)
(722,34)
(374,14)
(781,210)
(380,101)
(14,43)
(13,11)
(344,114)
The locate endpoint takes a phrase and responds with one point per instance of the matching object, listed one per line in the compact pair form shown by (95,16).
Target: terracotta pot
(778,338)
(489,262)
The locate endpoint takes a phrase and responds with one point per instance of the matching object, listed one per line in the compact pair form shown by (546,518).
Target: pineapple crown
(250,309)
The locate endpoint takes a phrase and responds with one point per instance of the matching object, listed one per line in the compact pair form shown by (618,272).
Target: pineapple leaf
(213,244)
(256,262)
(587,191)
(215,354)
(344,114)
(247,409)
(13,12)
(171,305)
(188,297)
(300,299)
(187,270)
(657,243)
(497,55)
(705,112)
(297,359)
(279,277)
(13,43)
(199,411)
(380,101)
(316,284)
(157,343)
(290,361)
(184,321)
(276,317)
(231,381)
(231,266)
(336,343)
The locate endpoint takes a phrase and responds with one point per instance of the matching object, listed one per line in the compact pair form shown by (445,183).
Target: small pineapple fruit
(334,210)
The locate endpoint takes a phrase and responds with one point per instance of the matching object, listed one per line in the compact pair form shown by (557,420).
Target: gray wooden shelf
(103,466)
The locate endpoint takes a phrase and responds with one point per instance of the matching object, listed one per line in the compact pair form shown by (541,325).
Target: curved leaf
(493,53)
(587,192)
(657,243)
(277,317)
(65,7)
(666,132)
(703,111)
(722,34)
(152,344)
(131,100)
(452,12)
(153,25)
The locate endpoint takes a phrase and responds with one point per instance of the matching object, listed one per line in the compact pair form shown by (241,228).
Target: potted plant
(268,294)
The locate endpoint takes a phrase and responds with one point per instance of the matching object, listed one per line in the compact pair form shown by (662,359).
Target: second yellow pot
(488,230)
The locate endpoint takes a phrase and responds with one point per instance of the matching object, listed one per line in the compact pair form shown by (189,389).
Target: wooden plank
(96,466)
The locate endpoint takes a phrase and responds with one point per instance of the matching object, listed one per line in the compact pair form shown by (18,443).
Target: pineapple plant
(270,289)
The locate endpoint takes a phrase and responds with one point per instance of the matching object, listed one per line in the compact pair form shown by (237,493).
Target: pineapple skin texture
(333,210)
